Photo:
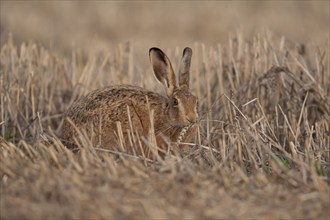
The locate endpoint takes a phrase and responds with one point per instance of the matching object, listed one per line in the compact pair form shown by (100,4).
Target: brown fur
(98,112)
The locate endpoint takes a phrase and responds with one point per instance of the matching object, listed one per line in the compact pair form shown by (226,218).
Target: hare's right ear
(163,69)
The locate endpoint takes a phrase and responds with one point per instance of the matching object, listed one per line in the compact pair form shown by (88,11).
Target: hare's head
(181,104)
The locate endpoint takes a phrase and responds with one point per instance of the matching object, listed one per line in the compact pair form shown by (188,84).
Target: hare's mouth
(183,132)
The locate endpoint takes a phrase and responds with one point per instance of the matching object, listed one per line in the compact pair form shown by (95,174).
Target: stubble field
(262,148)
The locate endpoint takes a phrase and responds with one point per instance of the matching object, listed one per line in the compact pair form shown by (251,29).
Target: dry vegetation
(262,150)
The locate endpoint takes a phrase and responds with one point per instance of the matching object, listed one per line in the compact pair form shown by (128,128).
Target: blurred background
(101,25)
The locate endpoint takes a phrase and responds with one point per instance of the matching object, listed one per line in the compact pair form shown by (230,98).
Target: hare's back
(111,102)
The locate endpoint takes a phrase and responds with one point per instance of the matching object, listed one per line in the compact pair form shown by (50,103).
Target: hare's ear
(163,69)
(184,70)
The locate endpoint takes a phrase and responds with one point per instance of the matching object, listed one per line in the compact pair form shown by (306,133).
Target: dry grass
(263,145)
(262,149)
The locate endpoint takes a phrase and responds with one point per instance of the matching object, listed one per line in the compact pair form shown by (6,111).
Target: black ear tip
(151,49)
(155,49)
(158,53)
(187,50)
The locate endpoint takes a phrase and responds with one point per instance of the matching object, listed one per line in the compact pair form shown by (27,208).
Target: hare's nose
(192,119)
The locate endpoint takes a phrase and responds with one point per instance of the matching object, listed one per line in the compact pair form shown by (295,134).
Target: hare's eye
(175,102)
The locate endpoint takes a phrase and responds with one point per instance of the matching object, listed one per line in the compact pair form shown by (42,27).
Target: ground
(262,147)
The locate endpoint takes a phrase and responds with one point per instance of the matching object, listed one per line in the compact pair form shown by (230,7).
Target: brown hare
(175,115)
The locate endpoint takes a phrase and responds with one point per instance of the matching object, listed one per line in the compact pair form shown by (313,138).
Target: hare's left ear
(163,69)
(184,70)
